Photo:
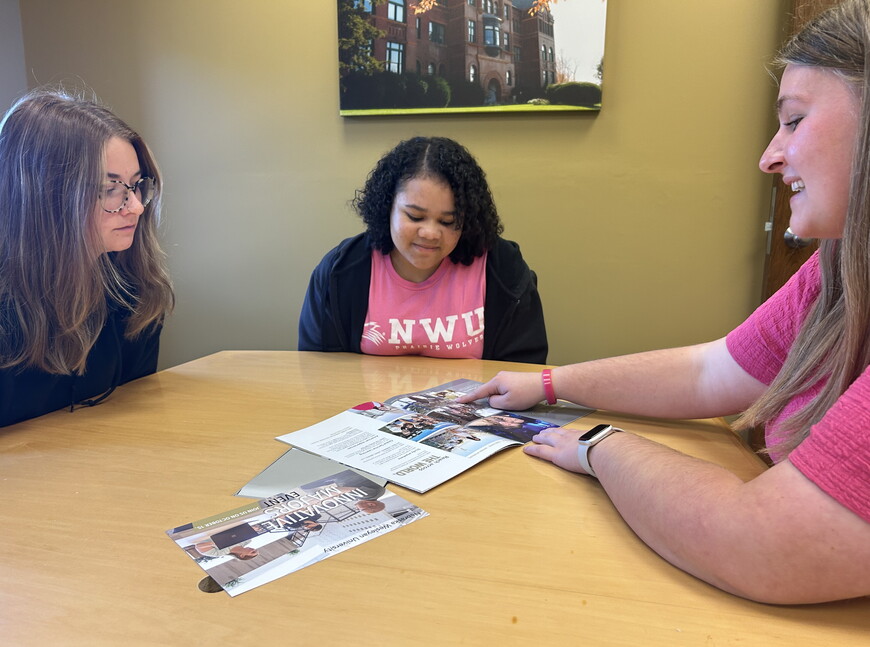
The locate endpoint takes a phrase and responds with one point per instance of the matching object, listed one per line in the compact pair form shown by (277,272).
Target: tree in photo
(566,69)
(356,34)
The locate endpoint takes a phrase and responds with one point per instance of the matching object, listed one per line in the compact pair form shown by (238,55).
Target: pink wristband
(549,391)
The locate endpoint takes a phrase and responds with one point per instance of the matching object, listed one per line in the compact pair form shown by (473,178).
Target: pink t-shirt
(836,454)
(440,317)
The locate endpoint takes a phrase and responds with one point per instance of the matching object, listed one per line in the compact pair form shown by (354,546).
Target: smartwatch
(588,440)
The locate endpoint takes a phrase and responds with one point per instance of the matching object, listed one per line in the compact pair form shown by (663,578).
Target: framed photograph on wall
(470,56)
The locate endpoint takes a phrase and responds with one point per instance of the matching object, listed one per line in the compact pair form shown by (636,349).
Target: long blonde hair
(834,341)
(56,282)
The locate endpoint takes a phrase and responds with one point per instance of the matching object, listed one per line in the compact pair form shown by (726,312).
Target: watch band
(588,440)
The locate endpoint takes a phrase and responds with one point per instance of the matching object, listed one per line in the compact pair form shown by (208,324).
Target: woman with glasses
(430,275)
(83,283)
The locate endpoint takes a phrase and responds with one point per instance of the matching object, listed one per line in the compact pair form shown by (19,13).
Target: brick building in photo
(494,44)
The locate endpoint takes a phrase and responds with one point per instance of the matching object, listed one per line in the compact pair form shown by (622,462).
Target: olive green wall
(644,222)
(12,78)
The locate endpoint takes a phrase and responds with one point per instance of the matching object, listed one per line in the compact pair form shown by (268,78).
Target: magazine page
(560,414)
(419,440)
(259,542)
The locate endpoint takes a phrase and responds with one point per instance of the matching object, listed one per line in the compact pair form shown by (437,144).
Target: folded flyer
(263,540)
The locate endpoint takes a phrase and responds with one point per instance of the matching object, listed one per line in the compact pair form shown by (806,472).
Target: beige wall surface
(644,222)
(12,78)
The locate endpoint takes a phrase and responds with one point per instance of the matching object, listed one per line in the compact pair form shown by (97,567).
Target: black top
(337,301)
(114,360)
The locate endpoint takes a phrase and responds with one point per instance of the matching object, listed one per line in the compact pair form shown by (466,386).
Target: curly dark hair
(437,158)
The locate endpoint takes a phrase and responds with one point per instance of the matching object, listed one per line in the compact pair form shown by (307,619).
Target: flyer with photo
(265,539)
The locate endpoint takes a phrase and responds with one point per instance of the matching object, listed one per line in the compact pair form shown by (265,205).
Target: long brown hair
(56,282)
(834,341)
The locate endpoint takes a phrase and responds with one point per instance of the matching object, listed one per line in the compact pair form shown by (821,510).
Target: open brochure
(266,539)
(419,440)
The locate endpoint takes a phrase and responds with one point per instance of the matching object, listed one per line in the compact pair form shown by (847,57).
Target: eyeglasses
(114,195)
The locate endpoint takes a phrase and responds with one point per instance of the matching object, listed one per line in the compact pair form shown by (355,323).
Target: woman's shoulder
(348,250)
(506,261)
(801,289)
(811,270)
(505,246)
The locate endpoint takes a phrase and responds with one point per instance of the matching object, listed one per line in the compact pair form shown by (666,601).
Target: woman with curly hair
(430,275)
(83,283)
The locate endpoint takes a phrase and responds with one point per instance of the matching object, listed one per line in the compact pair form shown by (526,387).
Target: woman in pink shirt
(800,532)
(431,274)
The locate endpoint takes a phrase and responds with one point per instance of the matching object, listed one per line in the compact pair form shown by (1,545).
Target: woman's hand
(557,445)
(507,390)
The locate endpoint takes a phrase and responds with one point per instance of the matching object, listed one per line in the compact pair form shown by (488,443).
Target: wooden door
(785,254)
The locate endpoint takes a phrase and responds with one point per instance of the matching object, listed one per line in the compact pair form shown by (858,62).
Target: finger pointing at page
(513,391)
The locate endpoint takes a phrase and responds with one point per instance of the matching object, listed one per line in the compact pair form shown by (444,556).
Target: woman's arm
(515,331)
(691,382)
(522,336)
(315,310)
(776,539)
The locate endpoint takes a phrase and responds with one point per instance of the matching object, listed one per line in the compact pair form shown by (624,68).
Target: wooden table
(515,551)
